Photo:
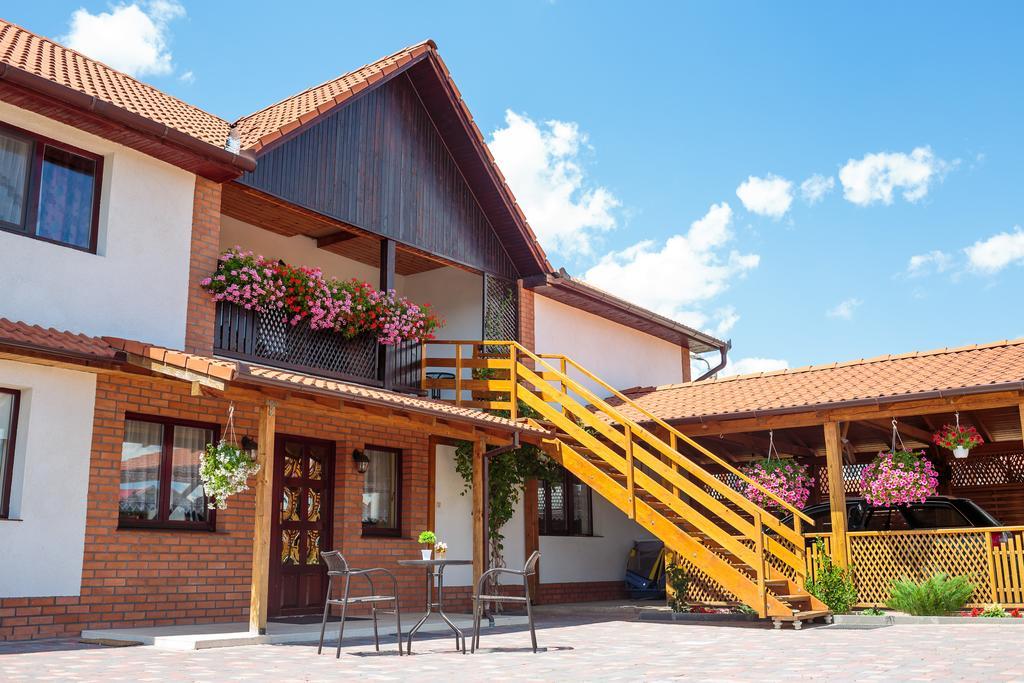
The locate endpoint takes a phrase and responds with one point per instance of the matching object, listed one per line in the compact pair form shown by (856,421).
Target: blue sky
(621,125)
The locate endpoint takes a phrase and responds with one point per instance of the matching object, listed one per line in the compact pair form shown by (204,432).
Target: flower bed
(898,479)
(348,307)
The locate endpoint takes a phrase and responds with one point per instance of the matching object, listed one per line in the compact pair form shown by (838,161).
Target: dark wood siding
(380,164)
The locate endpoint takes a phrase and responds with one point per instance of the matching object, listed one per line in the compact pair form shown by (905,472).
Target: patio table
(435,568)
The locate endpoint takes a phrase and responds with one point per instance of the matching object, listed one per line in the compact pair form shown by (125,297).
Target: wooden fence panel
(879,557)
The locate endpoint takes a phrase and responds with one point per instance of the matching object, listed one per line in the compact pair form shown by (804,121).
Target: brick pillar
(527,332)
(201,314)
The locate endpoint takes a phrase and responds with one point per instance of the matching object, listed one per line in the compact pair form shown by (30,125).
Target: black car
(937,512)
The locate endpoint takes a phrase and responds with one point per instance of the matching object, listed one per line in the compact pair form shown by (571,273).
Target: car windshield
(936,517)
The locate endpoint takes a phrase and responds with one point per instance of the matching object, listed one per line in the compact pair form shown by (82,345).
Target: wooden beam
(260,595)
(479,500)
(531,528)
(836,492)
(815,418)
(980,424)
(175,372)
(335,238)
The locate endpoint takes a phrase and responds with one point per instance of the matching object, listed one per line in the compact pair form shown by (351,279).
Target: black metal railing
(268,338)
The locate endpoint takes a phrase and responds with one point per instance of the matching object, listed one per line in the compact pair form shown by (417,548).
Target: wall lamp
(361,460)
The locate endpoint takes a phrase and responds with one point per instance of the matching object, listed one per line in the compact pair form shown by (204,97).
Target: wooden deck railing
(992,559)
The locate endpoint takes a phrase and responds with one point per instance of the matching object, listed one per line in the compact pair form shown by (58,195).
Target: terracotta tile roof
(270,123)
(378,396)
(967,369)
(21,334)
(42,57)
(212,367)
(38,339)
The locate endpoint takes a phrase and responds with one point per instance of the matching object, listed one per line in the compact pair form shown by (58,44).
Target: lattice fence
(878,558)
(269,337)
(501,310)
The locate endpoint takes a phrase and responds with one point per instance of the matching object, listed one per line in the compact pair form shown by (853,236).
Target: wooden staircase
(645,471)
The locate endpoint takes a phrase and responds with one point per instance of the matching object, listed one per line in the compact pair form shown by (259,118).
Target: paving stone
(572,650)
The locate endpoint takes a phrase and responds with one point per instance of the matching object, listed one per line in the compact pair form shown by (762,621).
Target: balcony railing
(268,339)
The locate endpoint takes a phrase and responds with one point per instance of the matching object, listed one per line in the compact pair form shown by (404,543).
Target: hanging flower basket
(958,439)
(898,478)
(224,469)
(299,293)
(785,478)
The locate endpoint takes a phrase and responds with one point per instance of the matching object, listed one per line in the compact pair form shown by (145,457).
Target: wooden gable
(379,163)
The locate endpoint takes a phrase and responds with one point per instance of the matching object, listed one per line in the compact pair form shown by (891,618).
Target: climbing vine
(507,474)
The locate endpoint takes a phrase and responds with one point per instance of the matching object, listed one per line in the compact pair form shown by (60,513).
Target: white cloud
(998,251)
(814,189)
(542,165)
(676,278)
(188,77)
(746,366)
(875,177)
(768,196)
(933,261)
(727,319)
(844,309)
(130,37)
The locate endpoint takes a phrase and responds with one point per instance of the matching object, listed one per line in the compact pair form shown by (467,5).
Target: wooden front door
(301,525)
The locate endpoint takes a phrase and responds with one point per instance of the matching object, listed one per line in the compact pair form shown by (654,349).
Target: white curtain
(188,499)
(379,492)
(14,159)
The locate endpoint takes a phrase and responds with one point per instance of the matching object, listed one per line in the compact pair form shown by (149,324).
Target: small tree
(831,584)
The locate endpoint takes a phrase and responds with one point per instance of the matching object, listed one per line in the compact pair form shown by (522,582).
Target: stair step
(807,615)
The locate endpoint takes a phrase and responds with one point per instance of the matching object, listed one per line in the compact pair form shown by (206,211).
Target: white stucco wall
(298,250)
(43,541)
(455,294)
(453,521)
(619,355)
(136,285)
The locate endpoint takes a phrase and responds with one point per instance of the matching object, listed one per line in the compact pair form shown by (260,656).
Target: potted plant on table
(899,477)
(440,550)
(428,539)
(958,439)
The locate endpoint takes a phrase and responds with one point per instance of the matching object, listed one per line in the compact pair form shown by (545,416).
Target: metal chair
(528,570)
(337,567)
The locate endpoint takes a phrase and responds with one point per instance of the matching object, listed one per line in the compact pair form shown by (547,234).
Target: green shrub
(679,583)
(872,612)
(935,597)
(832,585)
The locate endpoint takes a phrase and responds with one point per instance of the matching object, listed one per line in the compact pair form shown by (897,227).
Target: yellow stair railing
(743,547)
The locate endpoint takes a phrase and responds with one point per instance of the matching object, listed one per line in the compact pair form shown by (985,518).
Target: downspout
(724,352)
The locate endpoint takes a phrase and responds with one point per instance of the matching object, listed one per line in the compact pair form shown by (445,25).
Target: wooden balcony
(268,339)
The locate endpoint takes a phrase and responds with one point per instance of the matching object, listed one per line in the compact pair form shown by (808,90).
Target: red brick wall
(136,578)
(201,312)
(584,591)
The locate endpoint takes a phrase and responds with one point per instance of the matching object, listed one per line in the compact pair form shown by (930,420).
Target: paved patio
(596,650)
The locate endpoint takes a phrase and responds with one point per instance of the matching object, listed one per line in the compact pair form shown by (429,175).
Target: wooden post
(259,597)
(458,374)
(687,371)
(531,528)
(513,376)
(761,568)
(627,433)
(836,492)
(385,357)
(479,500)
